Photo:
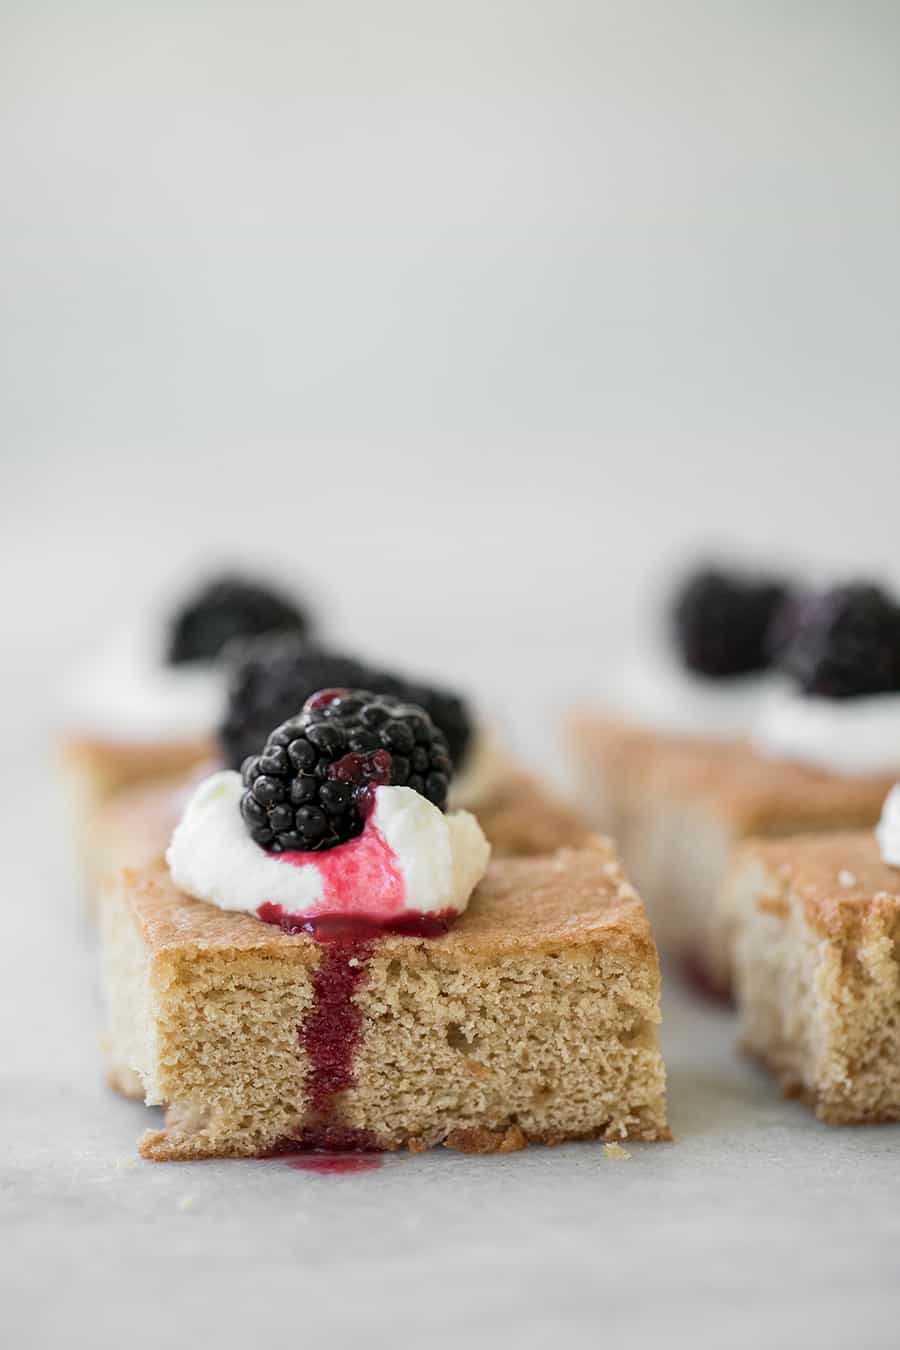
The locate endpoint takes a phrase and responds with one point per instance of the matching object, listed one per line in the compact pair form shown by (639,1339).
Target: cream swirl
(656,691)
(410,858)
(888,829)
(853,736)
(127,693)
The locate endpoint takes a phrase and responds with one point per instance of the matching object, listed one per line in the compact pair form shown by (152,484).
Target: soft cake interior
(817,980)
(487,1038)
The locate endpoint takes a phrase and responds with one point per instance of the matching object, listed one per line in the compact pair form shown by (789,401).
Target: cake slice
(774,713)
(533,1019)
(816,922)
(678,806)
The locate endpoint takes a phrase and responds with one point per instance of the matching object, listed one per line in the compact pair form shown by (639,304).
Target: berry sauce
(334,1164)
(366,773)
(700,978)
(323,698)
(365,866)
(330,1032)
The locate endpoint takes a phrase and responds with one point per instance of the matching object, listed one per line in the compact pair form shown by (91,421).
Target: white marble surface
(757,1227)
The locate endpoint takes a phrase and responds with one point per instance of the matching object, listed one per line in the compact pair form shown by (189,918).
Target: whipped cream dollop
(853,736)
(128,693)
(888,828)
(410,858)
(656,690)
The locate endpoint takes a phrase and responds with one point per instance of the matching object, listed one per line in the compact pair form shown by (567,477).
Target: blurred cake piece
(815,923)
(818,751)
(148,705)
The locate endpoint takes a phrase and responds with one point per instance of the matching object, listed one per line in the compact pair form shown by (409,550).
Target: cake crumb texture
(678,805)
(534,1020)
(816,970)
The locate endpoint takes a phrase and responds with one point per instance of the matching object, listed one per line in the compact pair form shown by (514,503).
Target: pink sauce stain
(364,869)
(334,1164)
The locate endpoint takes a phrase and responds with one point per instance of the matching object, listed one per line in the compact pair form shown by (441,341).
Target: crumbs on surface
(616,1152)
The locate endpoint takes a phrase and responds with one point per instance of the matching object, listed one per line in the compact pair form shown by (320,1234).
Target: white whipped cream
(656,690)
(128,693)
(845,736)
(212,857)
(888,829)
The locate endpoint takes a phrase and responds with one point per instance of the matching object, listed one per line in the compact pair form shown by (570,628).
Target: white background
(471,318)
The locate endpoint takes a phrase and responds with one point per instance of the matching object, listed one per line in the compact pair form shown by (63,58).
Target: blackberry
(228,607)
(721,621)
(846,642)
(269,678)
(311,786)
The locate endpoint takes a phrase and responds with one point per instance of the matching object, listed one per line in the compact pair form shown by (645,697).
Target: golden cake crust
(523,905)
(116,764)
(521,817)
(815,922)
(755,793)
(846,889)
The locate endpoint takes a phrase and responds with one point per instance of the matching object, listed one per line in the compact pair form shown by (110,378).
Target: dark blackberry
(311,786)
(721,621)
(270,677)
(846,642)
(784,625)
(226,608)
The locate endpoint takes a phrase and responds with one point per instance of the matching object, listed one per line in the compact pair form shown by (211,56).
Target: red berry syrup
(331,1030)
(334,1164)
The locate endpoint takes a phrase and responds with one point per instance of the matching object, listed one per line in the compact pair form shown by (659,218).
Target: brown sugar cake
(816,922)
(95,772)
(326,959)
(814,748)
(678,806)
(533,1020)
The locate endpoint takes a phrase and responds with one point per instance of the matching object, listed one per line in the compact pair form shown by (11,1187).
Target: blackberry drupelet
(721,621)
(846,643)
(311,786)
(270,677)
(229,607)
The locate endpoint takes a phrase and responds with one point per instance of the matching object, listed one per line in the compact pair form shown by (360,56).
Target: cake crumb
(846,879)
(616,1152)
(184,1203)
(125,1164)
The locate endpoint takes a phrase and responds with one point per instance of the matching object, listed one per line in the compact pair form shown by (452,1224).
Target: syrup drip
(331,1029)
(365,772)
(330,1032)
